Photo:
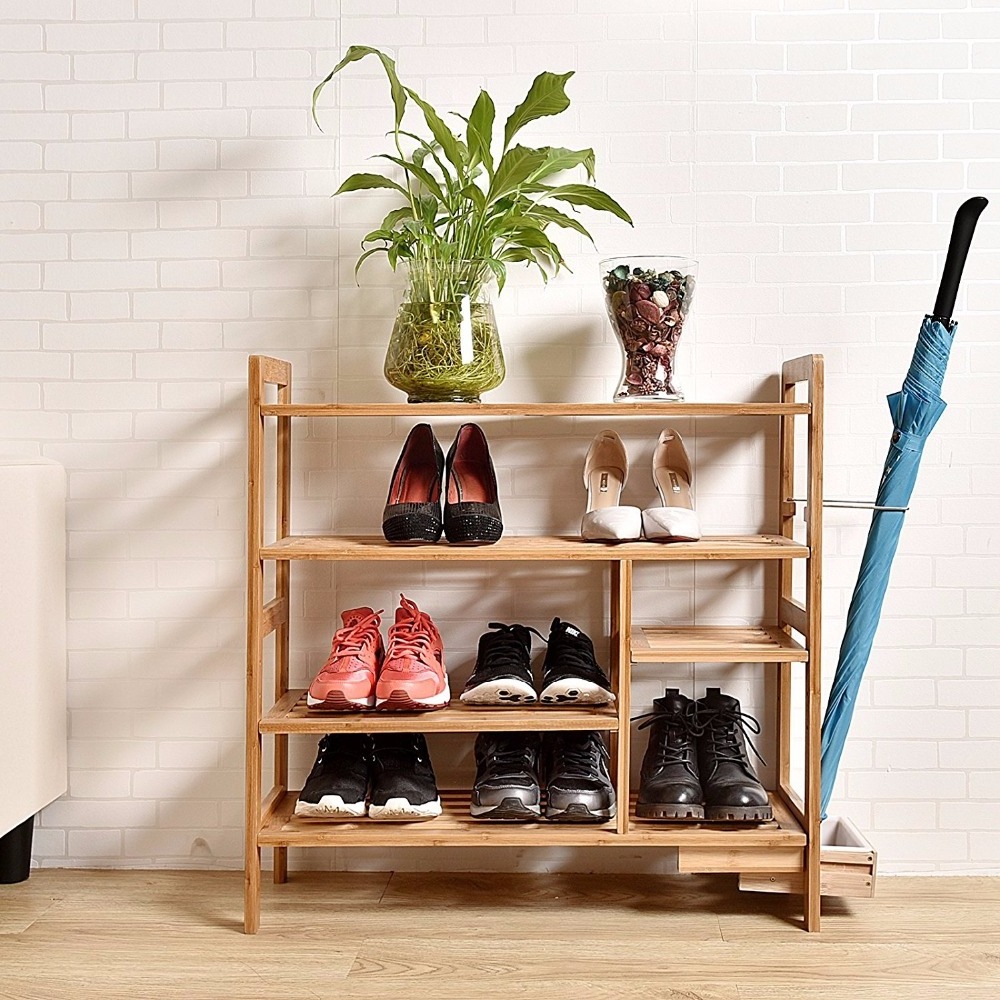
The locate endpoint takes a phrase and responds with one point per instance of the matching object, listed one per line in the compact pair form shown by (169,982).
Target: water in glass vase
(445,347)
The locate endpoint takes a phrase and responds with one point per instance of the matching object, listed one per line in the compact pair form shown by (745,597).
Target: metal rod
(854,503)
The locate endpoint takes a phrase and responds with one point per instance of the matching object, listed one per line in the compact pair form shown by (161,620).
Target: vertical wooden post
(255,645)
(621,663)
(261,371)
(786,527)
(283,473)
(814,611)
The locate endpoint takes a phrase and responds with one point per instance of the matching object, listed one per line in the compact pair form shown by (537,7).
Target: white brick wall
(165,211)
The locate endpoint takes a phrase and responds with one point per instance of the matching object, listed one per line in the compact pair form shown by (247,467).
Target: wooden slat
(467,410)
(792,612)
(271,802)
(794,802)
(715,644)
(835,880)
(533,547)
(716,859)
(456,828)
(275,613)
(291,715)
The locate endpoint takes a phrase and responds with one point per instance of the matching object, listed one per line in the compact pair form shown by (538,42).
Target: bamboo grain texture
(456,828)
(547,548)
(482,410)
(290,714)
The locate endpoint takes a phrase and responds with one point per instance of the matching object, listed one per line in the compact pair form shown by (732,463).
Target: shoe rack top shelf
(534,547)
(456,828)
(659,409)
(291,715)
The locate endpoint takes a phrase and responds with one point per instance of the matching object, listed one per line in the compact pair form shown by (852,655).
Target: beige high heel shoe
(605,473)
(675,520)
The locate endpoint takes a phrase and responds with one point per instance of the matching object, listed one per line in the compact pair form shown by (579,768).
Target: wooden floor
(106,935)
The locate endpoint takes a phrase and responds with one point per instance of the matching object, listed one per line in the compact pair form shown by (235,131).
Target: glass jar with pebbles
(648,300)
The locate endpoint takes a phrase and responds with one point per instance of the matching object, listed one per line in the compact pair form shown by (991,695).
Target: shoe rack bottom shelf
(703,847)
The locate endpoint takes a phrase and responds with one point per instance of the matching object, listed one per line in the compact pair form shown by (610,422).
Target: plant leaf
(444,136)
(364,182)
(590,197)
(498,269)
(417,170)
(553,215)
(354,53)
(365,256)
(514,168)
(558,159)
(397,215)
(479,134)
(546,96)
(475,194)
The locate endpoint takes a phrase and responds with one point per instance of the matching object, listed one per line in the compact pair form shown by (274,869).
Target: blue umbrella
(915,409)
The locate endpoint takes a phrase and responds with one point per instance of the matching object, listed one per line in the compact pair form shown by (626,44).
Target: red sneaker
(413,677)
(347,681)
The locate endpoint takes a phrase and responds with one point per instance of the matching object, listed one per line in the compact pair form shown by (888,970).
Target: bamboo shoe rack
(789,642)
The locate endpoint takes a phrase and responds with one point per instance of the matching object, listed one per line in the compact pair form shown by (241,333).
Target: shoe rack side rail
(264,619)
(804,617)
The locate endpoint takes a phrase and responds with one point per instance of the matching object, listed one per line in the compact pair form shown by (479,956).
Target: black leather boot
(669,786)
(731,788)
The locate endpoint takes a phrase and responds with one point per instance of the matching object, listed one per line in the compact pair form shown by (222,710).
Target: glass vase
(648,300)
(445,347)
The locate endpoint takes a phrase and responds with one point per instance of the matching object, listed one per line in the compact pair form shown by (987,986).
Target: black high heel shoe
(412,511)
(471,509)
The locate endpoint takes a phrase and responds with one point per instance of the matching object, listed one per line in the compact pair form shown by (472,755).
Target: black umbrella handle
(958,249)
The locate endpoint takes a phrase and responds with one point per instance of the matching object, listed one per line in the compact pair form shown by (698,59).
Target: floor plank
(112,935)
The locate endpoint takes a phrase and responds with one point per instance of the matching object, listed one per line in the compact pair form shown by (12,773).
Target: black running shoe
(403,784)
(578,779)
(507,777)
(571,674)
(338,783)
(503,668)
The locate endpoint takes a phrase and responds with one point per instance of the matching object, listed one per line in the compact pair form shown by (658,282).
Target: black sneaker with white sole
(403,786)
(571,674)
(507,786)
(503,668)
(337,786)
(577,774)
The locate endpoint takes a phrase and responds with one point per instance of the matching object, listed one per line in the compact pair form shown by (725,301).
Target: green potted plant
(472,203)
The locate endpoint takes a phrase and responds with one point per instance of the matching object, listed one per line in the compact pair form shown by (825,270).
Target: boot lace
(680,727)
(720,725)
(351,639)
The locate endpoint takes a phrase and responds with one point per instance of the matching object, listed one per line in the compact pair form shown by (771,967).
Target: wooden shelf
(517,548)
(420,410)
(456,828)
(715,644)
(290,715)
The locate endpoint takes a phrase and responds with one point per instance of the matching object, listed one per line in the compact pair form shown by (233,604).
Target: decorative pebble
(647,311)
